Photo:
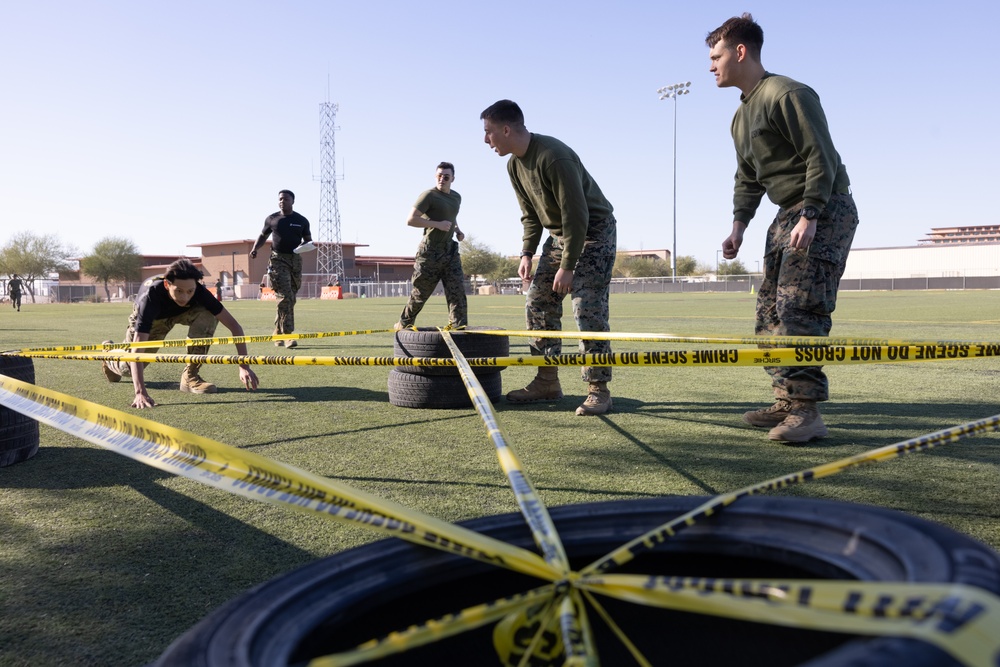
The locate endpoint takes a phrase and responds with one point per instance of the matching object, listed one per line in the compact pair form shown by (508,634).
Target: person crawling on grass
(177,297)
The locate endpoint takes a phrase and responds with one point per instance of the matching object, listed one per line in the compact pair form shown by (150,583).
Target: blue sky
(175,123)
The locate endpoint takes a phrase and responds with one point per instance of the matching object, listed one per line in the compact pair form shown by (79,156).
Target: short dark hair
(447,165)
(739,30)
(182,269)
(504,112)
(287,192)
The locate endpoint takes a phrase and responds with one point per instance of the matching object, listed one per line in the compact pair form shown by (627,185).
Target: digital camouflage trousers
(799,289)
(433,265)
(284,271)
(591,286)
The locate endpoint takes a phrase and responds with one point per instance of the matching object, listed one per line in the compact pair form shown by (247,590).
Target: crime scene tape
(188,342)
(639,658)
(961,620)
(535,513)
(254,476)
(578,637)
(436,629)
(762,358)
(257,477)
(531,635)
(775,341)
(654,537)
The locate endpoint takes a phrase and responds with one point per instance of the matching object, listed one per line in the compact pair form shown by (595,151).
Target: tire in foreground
(337,602)
(18,433)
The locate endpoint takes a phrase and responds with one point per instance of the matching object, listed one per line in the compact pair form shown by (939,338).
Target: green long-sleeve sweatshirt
(556,193)
(783,148)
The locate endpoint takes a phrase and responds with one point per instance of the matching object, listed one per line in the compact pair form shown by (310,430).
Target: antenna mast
(330,253)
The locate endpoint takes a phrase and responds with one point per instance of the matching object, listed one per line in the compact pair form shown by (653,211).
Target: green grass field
(104,561)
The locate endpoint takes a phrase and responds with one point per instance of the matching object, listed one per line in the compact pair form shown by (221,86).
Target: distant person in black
(287,230)
(14,287)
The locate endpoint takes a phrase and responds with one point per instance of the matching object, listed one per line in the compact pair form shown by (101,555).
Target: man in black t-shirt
(287,230)
(164,302)
(14,287)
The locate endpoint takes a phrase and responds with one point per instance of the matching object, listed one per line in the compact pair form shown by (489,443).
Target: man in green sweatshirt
(558,195)
(784,150)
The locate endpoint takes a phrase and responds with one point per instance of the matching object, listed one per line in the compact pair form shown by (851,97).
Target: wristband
(527,254)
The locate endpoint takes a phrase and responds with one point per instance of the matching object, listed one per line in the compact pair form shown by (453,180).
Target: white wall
(924,261)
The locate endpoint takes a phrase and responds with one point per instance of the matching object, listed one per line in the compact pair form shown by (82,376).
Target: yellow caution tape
(769,341)
(781,356)
(577,635)
(959,619)
(253,476)
(434,630)
(528,636)
(637,655)
(658,535)
(534,510)
(962,620)
(759,341)
(188,342)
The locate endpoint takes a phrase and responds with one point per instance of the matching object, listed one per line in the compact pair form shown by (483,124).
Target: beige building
(229,263)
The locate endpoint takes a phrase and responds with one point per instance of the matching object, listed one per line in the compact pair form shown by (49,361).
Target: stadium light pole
(672,92)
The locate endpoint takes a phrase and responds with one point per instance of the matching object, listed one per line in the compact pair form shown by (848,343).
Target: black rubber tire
(18,433)
(337,602)
(407,390)
(426,342)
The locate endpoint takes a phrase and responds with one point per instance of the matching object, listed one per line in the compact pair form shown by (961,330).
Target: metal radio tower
(330,253)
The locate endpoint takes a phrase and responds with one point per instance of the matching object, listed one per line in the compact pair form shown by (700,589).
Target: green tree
(32,257)
(733,267)
(477,258)
(687,265)
(113,258)
(506,267)
(627,266)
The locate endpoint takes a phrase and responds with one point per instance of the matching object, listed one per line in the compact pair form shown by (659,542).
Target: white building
(924,261)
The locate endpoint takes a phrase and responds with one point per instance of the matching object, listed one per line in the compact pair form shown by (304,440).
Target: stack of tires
(441,387)
(18,433)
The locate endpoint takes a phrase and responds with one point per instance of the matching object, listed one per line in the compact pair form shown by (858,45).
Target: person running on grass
(437,260)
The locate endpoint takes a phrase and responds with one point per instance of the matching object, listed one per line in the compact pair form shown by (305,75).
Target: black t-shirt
(154,303)
(287,231)
(14,285)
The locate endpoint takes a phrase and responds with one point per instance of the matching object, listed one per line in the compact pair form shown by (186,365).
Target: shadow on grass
(867,417)
(302,394)
(364,429)
(143,580)
(487,485)
(659,457)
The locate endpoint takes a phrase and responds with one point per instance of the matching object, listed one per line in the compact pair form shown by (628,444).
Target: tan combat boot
(770,416)
(545,387)
(802,424)
(111,374)
(598,400)
(192,383)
